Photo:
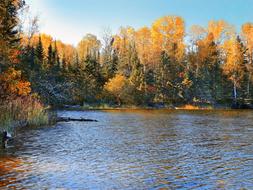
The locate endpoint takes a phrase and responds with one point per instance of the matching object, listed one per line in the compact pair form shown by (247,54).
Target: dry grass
(22,111)
(192,107)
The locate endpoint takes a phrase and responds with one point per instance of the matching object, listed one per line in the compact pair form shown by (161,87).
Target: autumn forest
(163,65)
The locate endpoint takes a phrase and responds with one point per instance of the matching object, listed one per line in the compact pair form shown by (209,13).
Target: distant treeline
(158,65)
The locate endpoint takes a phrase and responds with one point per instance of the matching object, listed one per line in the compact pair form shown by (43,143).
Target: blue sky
(70,20)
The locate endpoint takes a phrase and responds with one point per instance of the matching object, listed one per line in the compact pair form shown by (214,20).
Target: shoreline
(52,113)
(91,108)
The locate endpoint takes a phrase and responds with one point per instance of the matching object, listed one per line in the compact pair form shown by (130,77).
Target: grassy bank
(144,107)
(22,111)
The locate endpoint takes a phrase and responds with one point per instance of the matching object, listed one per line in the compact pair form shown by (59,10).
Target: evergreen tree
(93,69)
(110,67)
(64,63)
(137,77)
(9,35)
(39,55)
(27,62)
(50,56)
(244,84)
(56,57)
(213,73)
(164,79)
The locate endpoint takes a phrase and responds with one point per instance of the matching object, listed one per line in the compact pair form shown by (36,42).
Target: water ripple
(134,150)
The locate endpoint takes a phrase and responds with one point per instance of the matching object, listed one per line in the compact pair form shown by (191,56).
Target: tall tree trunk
(145,82)
(250,74)
(235,92)
(248,86)
(118,101)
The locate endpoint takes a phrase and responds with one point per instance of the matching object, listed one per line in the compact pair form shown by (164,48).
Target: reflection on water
(134,150)
(9,168)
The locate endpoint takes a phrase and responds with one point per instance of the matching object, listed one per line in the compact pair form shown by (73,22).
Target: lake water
(134,150)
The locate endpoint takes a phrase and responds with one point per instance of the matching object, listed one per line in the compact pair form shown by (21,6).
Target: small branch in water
(68,119)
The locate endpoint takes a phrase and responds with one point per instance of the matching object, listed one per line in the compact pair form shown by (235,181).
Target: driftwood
(68,119)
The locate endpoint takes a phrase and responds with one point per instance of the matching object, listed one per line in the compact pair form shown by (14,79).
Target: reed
(22,111)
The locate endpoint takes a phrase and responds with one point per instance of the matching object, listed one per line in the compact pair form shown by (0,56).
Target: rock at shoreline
(5,136)
(237,105)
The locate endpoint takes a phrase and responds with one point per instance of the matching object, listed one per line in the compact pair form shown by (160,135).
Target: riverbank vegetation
(19,104)
(158,66)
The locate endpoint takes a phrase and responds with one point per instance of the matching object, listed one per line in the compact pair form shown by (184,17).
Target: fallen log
(68,119)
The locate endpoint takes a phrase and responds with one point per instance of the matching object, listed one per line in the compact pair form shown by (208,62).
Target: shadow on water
(138,149)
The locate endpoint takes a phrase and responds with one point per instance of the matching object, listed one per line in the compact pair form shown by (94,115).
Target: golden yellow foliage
(205,49)
(144,45)
(220,29)
(247,33)
(88,46)
(233,66)
(66,50)
(167,35)
(124,40)
(45,39)
(197,32)
(116,84)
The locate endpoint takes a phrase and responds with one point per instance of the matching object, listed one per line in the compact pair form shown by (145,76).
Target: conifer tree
(9,35)
(110,67)
(39,55)
(137,74)
(56,57)
(50,56)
